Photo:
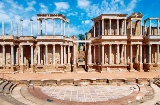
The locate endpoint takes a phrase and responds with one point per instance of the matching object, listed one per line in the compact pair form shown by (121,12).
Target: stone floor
(91,93)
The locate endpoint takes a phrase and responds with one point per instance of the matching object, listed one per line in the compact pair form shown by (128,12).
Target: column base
(140,67)
(21,69)
(32,69)
(131,67)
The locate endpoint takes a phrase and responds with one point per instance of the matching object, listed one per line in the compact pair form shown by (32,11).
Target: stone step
(6,89)
(2,86)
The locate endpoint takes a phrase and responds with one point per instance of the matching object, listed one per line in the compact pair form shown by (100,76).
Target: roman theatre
(118,63)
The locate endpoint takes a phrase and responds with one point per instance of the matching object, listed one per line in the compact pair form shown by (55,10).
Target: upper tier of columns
(110,27)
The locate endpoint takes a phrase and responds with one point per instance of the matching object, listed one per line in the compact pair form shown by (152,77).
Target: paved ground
(39,76)
(92,93)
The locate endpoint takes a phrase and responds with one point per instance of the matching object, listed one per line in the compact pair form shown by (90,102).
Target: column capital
(53,44)
(12,45)
(110,44)
(46,44)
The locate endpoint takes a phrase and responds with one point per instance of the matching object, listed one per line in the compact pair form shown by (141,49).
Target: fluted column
(102,26)
(150,27)
(21,54)
(102,54)
(98,28)
(68,54)
(32,60)
(157,53)
(99,54)
(53,55)
(89,53)
(46,26)
(11,27)
(46,48)
(95,54)
(61,26)
(12,54)
(140,59)
(21,27)
(141,27)
(61,54)
(64,29)
(74,53)
(54,26)
(158,27)
(2,28)
(145,28)
(125,27)
(118,54)
(110,54)
(149,56)
(131,27)
(130,53)
(110,25)
(39,56)
(137,54)
(17,53)
(38,26)
(117,26)
(64,54)
(4,58)
(125,61)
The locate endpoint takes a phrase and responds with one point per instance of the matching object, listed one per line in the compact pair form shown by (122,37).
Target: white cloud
(44,9)
(83,3)
(86,22)
(30,6)
(61,6)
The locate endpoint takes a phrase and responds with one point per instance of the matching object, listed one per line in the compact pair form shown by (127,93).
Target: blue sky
(79,12)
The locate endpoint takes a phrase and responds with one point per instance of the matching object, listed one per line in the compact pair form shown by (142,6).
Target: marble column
(46,48)
(53,55)
(4,58)
(145,28)
(3,28)
(61,54)
(39,56)
(131,54)
(31,27)
(99,55)
(117,26)
(98,28)
(118,54)
(38,26)
(11,27)
(94,29)
(32,60)
(131,27)
(68,54)
(140,59)
(21,54)
(125,61)
(125,27)
(64,54)
(95,54)
(102,54)
(61,26)
(110,54)
(74,54)
(158,27)
(68,29)
(46,26)
(102,26)
(150,27)
(64,28)
(89,53)
(149,56)
(12,54)
(54,27)
(110,26)
(141,27)
(17,53)
(157,53)
(137,54)
(21,27)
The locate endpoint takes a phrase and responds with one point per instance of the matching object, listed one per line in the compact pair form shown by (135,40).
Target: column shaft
(140,54)
(98,28)
(130,53)
(64,54)
(12,54)
(39,57)
(141,27)
(61,54)
(137,54)
(99,54)
(53,26)
(46,54)
(117,26)
(125,27)
(125,61)
(110,25)
(89,53)
(102,54)
(158,27)
(21,54)
(64,29)
(145,28)
(21,27)
(32,60)
(110,54)
(95,54)
(150,27)
(46,26)
(4,58)
(94,29)
(102,26)
(157,53)
(53,55)
(118,54)
(61,26)
(17,53)
(68,54)
(149,56)
(38,26)
(131,28)
(68,29)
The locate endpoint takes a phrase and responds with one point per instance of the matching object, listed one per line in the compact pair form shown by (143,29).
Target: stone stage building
(115,43)
(121,43)
(44,53)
